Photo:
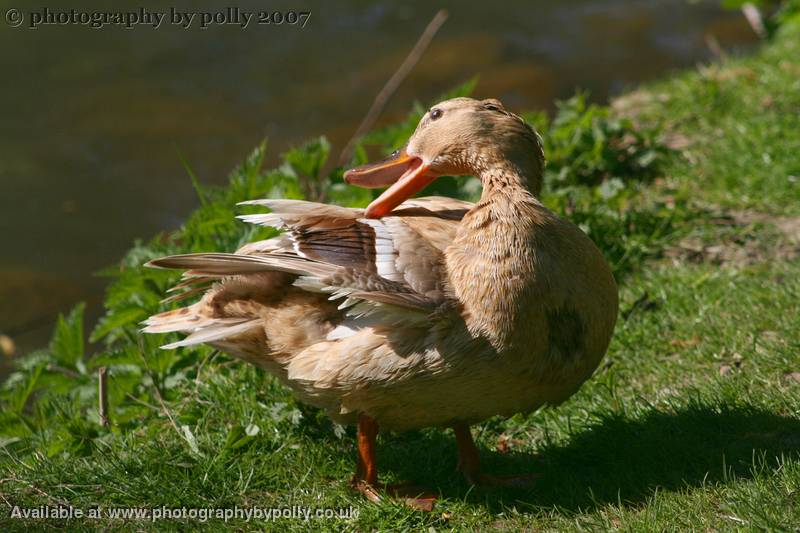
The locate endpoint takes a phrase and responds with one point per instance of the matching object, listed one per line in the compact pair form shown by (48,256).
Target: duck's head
(457,137)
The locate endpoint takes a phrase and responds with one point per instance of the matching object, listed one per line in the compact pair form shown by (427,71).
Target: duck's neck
(507,177)
(491,261)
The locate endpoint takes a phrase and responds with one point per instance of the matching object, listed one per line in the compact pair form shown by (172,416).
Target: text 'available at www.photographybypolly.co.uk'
(200,514)
(153,18)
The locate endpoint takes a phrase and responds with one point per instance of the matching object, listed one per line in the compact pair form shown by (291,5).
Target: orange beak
(406,174)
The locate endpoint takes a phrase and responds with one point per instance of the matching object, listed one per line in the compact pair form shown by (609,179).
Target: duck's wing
(392,267)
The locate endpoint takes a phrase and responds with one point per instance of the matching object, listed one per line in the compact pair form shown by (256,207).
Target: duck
(425,312)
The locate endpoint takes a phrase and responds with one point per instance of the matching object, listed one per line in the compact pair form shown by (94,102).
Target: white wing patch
(385,252)
(271,220)
(341,332)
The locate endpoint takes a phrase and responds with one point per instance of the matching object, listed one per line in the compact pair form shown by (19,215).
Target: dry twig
(102,396)
(394,82)
(754,18)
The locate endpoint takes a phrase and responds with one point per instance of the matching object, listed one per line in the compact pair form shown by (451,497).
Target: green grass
(692,422)
(740,120)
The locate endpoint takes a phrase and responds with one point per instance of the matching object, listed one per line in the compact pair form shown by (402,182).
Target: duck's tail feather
(215,332)
(202,328)
(225,264)
(184,319)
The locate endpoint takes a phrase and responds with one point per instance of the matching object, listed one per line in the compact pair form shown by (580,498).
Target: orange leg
(470,466)
(468,461)
(366,470)
(366,479)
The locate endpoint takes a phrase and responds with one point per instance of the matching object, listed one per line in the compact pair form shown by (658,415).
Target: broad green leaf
(67,345)
(310,157)
(22,390)
(191,440)
(116,319)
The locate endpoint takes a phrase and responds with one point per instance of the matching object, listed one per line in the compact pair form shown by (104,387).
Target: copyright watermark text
(200,514)
(142,16)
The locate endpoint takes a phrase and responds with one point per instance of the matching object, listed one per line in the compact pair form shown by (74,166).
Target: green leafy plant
(586,145)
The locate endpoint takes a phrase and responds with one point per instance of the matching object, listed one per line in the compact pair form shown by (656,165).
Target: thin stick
(102,393)
(159,397)
(166,410)
(61,370)
(36,489)
(754,18)
(714,46)
(391,86)
(140,402)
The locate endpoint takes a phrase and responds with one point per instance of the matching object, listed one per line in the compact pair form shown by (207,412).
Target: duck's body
(451,312)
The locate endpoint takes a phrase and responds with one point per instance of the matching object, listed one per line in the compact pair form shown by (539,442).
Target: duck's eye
(436,113)
(491,107)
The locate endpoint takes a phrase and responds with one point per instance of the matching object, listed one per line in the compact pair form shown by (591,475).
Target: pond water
(92,118)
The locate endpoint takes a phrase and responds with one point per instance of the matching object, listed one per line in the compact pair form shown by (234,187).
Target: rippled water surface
(91,118)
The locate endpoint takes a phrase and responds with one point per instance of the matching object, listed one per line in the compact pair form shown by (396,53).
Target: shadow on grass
(616,460)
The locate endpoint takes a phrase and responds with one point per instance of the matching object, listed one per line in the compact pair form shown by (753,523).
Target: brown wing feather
(395,261)
(391,268)
(346,243)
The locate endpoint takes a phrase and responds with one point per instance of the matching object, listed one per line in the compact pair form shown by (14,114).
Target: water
(91,118)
